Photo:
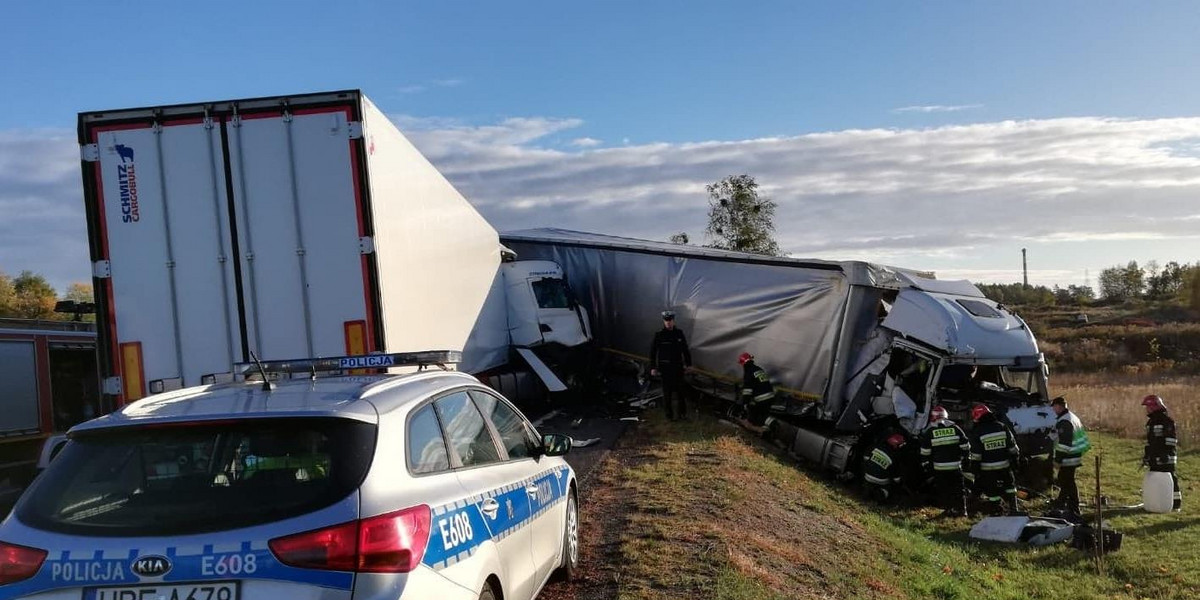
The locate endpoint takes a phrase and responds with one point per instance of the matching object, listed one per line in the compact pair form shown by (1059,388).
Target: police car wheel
(487,593)
(570,540)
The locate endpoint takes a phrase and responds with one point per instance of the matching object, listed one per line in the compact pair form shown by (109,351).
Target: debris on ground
(1035,531)
(584,443)
(545,417)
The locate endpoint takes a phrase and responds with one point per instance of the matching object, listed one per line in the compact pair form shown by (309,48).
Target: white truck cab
(541,307)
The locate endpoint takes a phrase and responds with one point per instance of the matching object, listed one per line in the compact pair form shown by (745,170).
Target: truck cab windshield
(551,293)
(983,383)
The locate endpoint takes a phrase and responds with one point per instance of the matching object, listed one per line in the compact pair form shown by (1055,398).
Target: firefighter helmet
(978,411)
(938,413)
(1153,403)
(896,440)
(745,358)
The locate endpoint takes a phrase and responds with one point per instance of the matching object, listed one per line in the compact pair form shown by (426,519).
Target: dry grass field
(1110,402)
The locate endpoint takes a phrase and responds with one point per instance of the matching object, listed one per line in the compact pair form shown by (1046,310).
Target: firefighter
(1070,443)
(757,394)
(993,452)
(669,358)
(943,448)
(881,469)
(1161,443)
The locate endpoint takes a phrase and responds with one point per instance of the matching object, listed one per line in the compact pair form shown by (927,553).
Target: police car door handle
(490,508)
(532,490)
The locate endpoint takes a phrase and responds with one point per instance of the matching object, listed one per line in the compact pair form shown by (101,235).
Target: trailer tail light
(158,386)
(390,543)
(133,376)
(18,563)
(215,378)
(356,341)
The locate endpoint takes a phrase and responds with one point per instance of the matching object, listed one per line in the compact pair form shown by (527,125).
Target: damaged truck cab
(940,343)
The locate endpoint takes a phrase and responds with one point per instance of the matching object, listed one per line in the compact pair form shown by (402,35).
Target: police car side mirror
(555,444)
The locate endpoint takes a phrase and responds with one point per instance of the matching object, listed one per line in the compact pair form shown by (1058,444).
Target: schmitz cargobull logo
(127,183)
(150,566)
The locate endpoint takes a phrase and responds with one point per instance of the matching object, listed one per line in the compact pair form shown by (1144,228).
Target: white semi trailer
(286,227)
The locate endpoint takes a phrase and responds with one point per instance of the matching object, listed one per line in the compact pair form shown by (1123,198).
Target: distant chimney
(1024,267)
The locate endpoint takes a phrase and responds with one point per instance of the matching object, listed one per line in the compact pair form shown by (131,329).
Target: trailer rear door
(299,223)
(225,229)
(162,204)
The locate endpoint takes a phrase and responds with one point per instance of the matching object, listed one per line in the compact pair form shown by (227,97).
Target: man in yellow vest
(1070,444)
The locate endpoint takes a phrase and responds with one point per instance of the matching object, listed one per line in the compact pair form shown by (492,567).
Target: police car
(423,485)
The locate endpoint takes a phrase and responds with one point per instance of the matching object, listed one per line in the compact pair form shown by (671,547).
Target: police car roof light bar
(423,359)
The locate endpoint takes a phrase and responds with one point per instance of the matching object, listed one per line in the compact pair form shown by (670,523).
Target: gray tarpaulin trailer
(854,339)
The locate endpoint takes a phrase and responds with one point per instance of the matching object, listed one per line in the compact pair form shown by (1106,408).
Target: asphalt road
(584,429)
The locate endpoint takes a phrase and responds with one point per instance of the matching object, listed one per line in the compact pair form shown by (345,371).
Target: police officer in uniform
(1070,443)
(1161,443)
(757,393)
(993,452)
(944,446)
(669,357)
(881,469)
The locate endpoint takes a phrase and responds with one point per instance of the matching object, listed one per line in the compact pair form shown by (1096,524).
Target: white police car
(426,485)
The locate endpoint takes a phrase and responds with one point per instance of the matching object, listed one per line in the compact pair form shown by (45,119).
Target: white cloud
(418,88)
(586,142)
(41,198)
(936,108)
(945,197)
(953,198)
(1047,277)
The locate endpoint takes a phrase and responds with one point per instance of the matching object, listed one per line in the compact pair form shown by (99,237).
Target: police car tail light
(390,543)
(19,562)
(332,548)
(395,542)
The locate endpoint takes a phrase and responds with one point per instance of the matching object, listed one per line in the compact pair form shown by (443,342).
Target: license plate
(217,590)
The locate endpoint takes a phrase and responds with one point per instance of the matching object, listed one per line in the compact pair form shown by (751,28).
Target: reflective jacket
(669,350)
(1160,441)
(993,446)
(756,385)
(880,468)
(1071,441)
(944,445)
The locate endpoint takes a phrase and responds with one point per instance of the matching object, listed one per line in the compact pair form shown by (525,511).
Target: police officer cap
(668,315)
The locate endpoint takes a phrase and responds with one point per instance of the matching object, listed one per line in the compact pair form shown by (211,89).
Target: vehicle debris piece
(1035,531)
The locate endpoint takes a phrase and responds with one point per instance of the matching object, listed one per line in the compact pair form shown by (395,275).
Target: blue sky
(580,83)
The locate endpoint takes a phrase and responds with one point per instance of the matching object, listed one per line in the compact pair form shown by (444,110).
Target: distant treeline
(1172,282)
(30,296)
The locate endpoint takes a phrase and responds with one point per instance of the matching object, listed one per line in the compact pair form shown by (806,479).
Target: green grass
(717,515)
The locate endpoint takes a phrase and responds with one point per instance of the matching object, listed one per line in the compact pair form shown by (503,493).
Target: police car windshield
(199,477)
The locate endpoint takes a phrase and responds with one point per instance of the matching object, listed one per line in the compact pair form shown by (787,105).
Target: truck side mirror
(555,444)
